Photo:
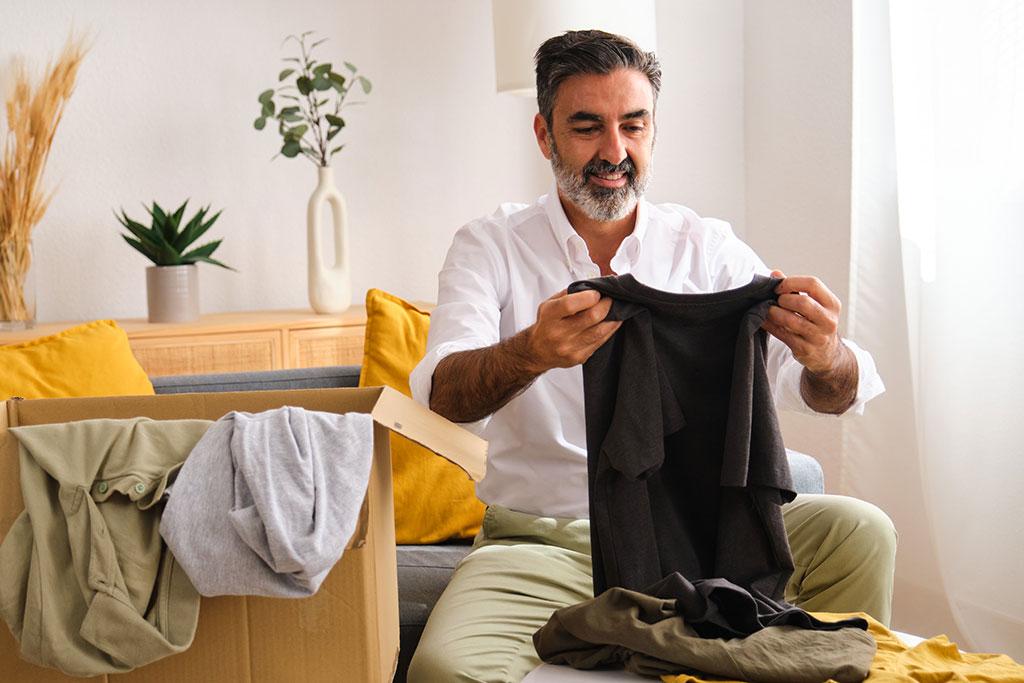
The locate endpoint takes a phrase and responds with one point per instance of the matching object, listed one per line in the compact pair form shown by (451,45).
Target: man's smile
(617,179)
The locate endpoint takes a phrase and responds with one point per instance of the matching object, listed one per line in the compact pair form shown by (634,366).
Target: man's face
(600,141)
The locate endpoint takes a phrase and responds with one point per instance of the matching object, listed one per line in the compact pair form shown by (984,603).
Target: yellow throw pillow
(89,360)
(434,499)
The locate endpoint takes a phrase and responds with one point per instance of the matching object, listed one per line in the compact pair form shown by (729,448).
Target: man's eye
(586,131)
(635,129)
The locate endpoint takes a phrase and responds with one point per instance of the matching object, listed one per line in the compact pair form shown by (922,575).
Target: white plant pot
(330,287)
(172,293)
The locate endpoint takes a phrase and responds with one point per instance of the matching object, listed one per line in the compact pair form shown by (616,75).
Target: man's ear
(540,129)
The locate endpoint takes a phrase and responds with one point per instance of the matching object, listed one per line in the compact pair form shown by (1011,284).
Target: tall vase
(330,287)
(17,285)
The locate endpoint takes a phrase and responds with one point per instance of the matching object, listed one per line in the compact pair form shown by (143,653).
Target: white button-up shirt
(498,271)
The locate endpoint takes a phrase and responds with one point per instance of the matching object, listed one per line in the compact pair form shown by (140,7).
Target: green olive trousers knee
(523,567)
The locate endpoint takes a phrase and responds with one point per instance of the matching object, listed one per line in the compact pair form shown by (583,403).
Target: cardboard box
(348,631)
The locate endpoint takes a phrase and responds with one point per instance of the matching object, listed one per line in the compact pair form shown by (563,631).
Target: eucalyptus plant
(314,96)
(164,242)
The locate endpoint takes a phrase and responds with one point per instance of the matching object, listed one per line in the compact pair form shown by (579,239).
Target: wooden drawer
(318,347)
(200,354)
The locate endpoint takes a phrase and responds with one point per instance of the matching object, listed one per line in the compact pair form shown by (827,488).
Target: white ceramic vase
(172,293)
(330,287)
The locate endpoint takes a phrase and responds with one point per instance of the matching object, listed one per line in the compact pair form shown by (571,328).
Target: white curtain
(938,251)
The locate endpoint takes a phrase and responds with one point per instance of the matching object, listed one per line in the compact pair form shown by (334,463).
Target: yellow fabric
(89,360)
(434,499)
(935,660)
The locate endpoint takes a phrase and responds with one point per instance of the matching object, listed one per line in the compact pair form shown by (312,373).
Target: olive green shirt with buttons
(87,584)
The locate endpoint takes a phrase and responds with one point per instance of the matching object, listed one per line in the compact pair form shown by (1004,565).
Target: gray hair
(588,52)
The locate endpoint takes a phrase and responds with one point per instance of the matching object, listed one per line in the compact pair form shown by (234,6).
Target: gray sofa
(423,570)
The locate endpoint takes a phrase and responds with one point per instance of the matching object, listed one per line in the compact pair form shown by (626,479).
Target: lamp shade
(520,26)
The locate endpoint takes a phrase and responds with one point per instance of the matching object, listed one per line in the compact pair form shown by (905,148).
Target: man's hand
(807,321)
(569,328)
(470,385)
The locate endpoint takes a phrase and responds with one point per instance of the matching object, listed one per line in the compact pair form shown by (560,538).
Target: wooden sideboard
(236,342)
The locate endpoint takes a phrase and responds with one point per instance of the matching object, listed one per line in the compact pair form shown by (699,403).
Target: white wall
(164,108)
(798,105)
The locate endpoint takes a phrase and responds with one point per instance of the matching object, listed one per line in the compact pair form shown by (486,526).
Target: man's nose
(613,147)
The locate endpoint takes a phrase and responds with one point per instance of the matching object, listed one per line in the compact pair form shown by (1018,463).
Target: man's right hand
(569,328)
(470,385)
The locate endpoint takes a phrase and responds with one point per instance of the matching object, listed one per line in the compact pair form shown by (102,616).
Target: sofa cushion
(89,360)
(434,499)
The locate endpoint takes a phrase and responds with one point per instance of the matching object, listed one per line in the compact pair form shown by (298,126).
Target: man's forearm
(834,391)
(470,385)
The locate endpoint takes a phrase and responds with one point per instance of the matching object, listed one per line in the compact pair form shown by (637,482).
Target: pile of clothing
(128,522)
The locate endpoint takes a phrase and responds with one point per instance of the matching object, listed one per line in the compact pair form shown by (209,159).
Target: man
(506,344)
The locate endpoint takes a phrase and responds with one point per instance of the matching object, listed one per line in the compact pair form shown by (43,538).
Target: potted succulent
(172,282)
(308,109)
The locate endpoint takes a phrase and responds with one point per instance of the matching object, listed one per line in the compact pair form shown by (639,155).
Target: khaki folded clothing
(643,634)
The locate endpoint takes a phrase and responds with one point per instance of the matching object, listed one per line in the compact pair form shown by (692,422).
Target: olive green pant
(522,568)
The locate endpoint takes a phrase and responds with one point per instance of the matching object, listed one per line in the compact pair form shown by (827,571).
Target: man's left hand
(807,321)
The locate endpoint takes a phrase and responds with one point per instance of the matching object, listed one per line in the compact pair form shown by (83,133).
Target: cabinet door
(201,354)
(318,347)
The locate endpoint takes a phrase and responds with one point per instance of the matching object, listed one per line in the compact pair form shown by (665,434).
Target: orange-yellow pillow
(434,499)
(89,360)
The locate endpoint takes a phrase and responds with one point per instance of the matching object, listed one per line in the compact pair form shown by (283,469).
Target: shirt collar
(629,251)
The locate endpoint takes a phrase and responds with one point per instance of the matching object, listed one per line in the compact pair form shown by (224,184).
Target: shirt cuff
(869,385)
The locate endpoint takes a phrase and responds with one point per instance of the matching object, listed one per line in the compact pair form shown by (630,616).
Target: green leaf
(322,83)
(285,74)
(322,40)
(290,114)
(291,59)
(332,132)
(173,221)
(158,214)
(365,82)
(268,108)
(322,102)
(266,96)
(204,250)
(291,149)
(336,150)
(146,237)
(141,248)
(337,81)
(323,69)
(296,133)
(291,97)
(195,229)
(335,120)
(260,123)
(304,84)
(351,67)
(214,262)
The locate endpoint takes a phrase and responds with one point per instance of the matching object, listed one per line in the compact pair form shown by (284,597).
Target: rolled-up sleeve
(469,299)
(784,373)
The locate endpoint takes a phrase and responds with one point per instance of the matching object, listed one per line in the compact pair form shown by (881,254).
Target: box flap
(401,414)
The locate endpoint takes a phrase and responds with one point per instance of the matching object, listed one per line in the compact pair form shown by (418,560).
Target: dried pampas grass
(32,118)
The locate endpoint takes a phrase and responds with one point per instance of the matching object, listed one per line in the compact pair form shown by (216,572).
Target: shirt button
(591,274)
(102,488)
(140,488)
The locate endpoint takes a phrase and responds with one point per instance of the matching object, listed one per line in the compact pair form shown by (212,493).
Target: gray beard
(602,204)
